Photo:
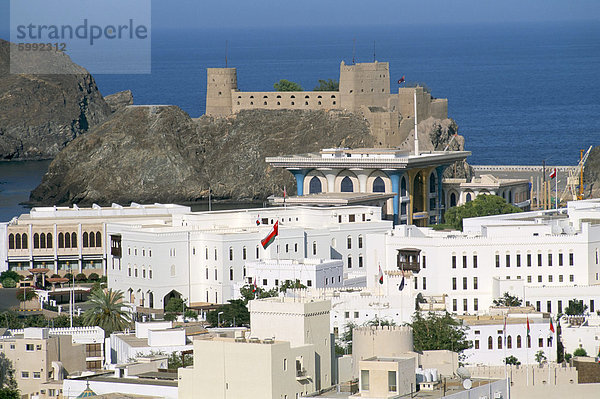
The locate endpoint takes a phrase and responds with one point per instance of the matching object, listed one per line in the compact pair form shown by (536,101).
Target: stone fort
(364,88)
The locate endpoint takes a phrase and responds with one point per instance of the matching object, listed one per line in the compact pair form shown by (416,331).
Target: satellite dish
(463,373)
(467,384)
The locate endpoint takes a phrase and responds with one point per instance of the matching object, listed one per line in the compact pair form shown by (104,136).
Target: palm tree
(107,311)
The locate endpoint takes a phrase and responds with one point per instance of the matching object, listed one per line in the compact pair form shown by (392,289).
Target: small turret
(219,84)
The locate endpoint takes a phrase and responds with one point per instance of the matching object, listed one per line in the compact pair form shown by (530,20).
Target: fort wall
(304,100)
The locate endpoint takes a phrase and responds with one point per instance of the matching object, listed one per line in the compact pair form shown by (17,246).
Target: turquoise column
(440,172)
(395,177)
(299,174)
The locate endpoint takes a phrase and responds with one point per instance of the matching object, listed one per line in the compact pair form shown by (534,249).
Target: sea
(521,93)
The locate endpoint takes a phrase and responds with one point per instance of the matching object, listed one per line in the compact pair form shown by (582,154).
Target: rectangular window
(571,278)
(231,274)
(465,304)
(216,276)
(284,364)
(453,283)
(539,279)
(346,315)
(392,386)
(550,259)
(309,283)
(541,342)
(424,262)
(264,281)
(549,278)
(360,241)
(351,218)
(518,260)
(464,261)
(528,260)
(559,306)
(36,374)
(416,283)
(475,304)
(539,259)
(560,259)
(464,283)
(497,260)
(538,306)
(364,380)
(356,315)
(571,260)
(314,247)
(507,260)
(476,344)
(560,278)
(474,283)
(592,309)
(349,242)
(474,261)
(529,279)
(24,374)
(29,347)
(549,306)
(454,261)
(424,283)
(454,305)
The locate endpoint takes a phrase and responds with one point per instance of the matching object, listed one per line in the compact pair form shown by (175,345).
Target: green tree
(345,339)
(190,314)
(376,321)
(93,277)
(177,360)
(107,311)
(64,320)
(540,357)
(483,205)
(175,305)
(234,310)
(579,352)
(81,278)
(288,284)
(26,294)
(247,292)
(511,360)
(327,85)
(434,332)
(568,357)
(9,283)
(8,384)
(170,317)
(11,274)
(507,300)
(575,308)
(286,85)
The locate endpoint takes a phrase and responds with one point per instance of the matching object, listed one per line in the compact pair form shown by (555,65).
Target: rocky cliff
(159,154)
(41,114)
(591,174)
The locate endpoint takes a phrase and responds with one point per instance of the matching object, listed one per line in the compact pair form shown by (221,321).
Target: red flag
(528,330)
(380,275)
(254,288)
(268,240)
(553,174)
(258,220)
(401,80)
(284,192)
(551,325)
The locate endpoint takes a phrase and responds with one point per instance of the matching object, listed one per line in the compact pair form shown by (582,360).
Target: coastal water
(520,93)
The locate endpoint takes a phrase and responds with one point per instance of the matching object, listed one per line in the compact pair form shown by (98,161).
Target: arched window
(244,253)
(85,239)
(92,240)
(347,186)
(11,241)
(378,185)
(42,240)
(49,240)
(452,200)
(490,343)
(509,342)
(499,342)
(24,240)
(518,341)
(469,197)
(315,186)
(509,196)
(73,240)
(230,253)
(36,241)
(257,252)
(403,187)
(18,241)
(432,183)
(61,240)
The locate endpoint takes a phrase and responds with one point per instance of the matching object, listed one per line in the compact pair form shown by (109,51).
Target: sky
(228,14)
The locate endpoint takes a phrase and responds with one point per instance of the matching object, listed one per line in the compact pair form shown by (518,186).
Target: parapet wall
(303,100)
(380,341)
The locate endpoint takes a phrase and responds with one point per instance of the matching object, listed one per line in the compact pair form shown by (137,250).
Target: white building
(310,272)
(149,338)
(544,257)
(491,345)
(287,355)
(514,191)
(202,256)
(581,332)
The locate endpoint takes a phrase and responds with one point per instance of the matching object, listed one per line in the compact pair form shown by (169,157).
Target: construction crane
(575,179)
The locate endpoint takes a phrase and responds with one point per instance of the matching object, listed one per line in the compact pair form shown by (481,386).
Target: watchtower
(219,84)
(365,84)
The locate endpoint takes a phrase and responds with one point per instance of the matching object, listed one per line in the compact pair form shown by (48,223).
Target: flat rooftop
(335,199)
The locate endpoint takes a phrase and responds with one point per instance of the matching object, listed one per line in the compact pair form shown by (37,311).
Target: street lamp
(219,319)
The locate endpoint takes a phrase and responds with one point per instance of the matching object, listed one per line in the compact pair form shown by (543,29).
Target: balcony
(302,375)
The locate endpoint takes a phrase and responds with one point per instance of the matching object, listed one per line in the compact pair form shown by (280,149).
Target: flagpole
(556,190)
(527,350)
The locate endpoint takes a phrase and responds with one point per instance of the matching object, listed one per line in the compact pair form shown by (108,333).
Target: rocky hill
(159,154)
(591,174)
(41,114)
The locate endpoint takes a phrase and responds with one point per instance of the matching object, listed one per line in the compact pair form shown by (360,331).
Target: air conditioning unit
(497,395)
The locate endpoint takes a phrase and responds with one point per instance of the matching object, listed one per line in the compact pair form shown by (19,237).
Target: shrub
(93,277)
(81,277)
(9,283)
(191,314)
(55,275)
(579,352)
(69,276)
(170,316)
